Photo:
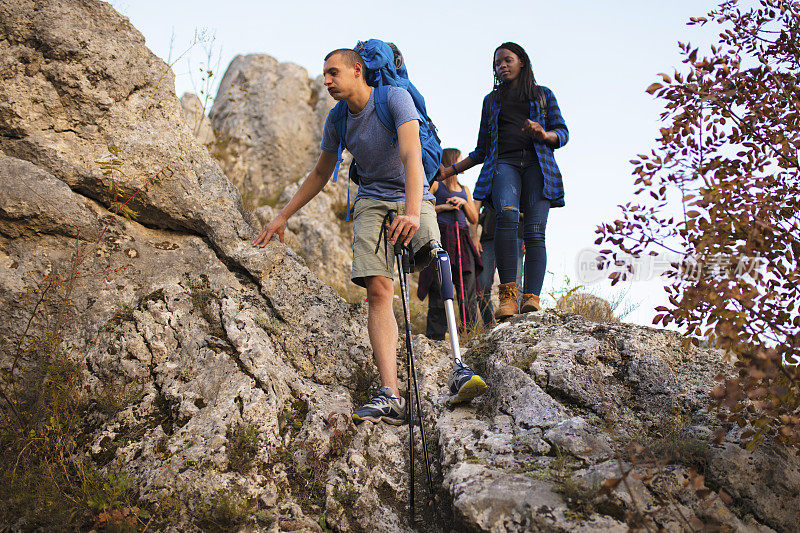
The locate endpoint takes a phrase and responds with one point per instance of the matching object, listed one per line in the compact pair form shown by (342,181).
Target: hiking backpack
(386,68)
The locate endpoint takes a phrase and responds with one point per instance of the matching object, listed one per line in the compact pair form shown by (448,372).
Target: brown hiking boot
(509,301)
(530,302)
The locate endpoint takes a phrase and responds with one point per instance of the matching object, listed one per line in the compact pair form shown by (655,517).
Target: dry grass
(590,304)
(587,305)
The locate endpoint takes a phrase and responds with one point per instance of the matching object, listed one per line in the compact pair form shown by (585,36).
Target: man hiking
(391,177)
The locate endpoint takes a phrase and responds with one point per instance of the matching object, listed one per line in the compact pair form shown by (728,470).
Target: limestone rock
(195,117)
(576,437)
(763,481)
(602,381)
(174,305)
(319,232)
(79,80)
(268,116)
(233,370)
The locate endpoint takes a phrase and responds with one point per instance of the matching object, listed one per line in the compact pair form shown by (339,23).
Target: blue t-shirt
(381,173)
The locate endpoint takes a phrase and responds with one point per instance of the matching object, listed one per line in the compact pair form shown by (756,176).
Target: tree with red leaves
(722,190)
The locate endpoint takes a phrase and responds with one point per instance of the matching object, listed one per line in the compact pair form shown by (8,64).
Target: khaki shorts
(367,219)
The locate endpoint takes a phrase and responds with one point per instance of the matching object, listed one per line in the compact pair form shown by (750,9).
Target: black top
(513,114)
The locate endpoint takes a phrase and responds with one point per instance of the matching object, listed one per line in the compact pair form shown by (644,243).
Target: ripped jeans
(518,184)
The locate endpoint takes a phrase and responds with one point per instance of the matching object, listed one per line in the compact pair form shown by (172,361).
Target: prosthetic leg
(464,383)
(441,261)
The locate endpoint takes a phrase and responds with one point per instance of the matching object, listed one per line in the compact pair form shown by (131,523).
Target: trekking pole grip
(398,246)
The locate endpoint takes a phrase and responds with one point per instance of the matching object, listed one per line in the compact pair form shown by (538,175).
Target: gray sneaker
(383,406)
(465,384)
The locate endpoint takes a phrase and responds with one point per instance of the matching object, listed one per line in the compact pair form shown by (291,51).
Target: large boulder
(78,85)
(573,404)
(107,194)
(268,117)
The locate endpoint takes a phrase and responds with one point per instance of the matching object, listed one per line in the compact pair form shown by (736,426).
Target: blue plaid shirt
(486,150)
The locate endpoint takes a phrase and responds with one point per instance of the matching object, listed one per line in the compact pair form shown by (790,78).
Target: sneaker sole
(469,390)
(375,420)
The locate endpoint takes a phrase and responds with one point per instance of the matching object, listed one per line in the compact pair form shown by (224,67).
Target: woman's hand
(535,130)
(457,202)
(445,207)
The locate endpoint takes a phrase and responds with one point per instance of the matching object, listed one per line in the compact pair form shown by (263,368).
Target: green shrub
(242,447)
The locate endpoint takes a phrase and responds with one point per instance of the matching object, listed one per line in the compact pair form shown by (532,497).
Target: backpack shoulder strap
(381,100)
(339,119)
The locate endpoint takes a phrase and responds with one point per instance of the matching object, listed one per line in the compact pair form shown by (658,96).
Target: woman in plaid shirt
(521,125)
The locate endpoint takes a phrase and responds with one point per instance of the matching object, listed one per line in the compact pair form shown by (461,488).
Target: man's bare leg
(382,328)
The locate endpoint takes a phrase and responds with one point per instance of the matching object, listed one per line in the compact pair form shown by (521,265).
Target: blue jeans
(518,185)
(486,279)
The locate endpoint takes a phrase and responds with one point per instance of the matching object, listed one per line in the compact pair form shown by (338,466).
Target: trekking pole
(402,257)
(461,280)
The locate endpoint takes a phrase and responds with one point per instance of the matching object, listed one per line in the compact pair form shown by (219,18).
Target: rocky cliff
(219,378)
(268,118)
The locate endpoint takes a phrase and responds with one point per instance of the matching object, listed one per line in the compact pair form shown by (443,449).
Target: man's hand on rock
(276,226)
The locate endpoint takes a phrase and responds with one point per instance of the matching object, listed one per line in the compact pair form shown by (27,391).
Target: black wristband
(455,172)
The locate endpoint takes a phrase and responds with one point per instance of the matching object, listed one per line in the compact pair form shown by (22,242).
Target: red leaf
(653,88)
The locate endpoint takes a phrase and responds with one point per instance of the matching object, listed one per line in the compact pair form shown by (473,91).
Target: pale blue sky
(598,57)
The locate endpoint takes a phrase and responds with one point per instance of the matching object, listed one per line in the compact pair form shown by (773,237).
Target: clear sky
(598,58)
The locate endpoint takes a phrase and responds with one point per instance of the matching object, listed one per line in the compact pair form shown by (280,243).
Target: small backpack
(385,68)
